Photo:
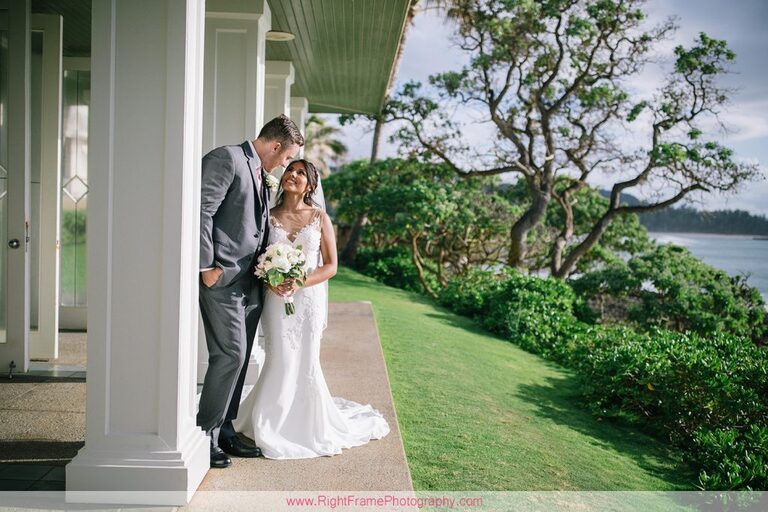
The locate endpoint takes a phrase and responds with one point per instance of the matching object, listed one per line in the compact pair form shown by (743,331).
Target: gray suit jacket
(233,214)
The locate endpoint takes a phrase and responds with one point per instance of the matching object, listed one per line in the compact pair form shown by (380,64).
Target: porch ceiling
(343,53)
(77,23)
(344,50)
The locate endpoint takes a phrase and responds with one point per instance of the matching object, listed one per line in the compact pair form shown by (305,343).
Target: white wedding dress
(290,412)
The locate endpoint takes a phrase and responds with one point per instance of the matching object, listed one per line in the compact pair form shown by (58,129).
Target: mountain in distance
(691,220)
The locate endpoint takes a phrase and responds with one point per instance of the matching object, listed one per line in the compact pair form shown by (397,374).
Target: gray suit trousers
(230,317)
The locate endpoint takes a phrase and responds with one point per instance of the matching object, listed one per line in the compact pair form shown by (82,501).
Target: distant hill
(627,199)
(687,219)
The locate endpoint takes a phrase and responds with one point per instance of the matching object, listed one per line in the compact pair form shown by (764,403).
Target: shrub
(685,294)
(392,266)
(535,313)
(468,294)
(682,381)
(733,458)
(697,391)
(706,393)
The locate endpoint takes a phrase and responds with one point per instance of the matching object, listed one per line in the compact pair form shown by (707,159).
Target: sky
(429,49)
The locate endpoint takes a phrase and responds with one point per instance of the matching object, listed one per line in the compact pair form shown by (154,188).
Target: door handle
(14,244)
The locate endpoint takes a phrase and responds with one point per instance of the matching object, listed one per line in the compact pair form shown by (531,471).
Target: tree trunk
(518,246)
(416,257)
(580,250)
(353,242)
(564,236)
(376,139)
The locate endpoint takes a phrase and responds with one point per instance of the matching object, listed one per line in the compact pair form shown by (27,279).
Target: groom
(234,213)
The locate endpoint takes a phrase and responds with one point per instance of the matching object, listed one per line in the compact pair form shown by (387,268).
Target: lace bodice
(308,237)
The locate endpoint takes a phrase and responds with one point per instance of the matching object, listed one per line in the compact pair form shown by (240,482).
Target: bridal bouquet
(280,262)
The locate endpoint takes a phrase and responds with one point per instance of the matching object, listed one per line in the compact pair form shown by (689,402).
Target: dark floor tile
(43,485)
(15,485)
(56,474)
(24,471)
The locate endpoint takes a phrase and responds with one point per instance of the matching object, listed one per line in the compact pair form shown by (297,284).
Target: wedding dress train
(290,412)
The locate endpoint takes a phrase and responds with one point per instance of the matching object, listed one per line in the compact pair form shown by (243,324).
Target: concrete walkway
(42,422)
(354,368)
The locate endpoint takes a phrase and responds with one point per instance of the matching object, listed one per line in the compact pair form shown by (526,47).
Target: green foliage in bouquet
(276,278)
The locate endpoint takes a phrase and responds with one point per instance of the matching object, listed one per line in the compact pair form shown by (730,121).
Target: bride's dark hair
(312,180)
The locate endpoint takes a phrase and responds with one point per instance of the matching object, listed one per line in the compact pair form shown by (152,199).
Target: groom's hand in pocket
(210,277)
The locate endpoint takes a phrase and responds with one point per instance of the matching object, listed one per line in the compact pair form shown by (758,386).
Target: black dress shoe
(219,459)
(237,447)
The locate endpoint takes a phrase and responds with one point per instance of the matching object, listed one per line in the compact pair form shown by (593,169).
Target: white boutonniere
(272,183)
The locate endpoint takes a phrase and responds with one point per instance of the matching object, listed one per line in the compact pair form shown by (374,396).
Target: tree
(551,77)
(625,236)
(322,145)
(446,224)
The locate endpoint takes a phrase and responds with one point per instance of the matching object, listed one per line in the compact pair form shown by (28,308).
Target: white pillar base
(131,477)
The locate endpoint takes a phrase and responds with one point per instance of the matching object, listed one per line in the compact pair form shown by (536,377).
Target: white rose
(281,263)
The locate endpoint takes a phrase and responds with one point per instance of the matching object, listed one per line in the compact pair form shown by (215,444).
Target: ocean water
(735,254)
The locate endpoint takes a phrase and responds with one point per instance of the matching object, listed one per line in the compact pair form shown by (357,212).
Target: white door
(46,81)
(14,185)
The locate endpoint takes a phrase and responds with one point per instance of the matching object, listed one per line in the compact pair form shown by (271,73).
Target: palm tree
(322,147)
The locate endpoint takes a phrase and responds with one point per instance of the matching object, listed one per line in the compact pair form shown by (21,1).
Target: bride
(290,413)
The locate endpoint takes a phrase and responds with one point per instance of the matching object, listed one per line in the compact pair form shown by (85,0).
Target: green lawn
(478,413)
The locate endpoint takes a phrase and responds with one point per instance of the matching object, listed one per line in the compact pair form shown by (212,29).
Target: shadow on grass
(447,317)
(560,401)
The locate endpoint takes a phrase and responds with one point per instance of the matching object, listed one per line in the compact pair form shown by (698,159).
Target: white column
(277,90)
(299,115)
(142,444)
(235,46)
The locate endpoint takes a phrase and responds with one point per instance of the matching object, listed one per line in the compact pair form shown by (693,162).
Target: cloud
(747,120)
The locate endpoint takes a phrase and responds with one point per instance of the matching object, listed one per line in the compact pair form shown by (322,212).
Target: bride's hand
(287,288)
